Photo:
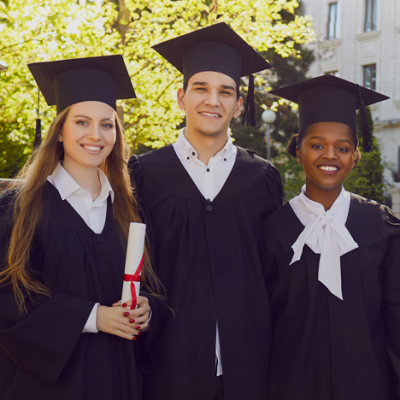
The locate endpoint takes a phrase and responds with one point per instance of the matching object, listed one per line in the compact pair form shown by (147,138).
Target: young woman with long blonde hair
(63,233)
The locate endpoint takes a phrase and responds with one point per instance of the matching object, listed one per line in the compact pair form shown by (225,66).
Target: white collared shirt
(209,179)
(325,233)
(92,212)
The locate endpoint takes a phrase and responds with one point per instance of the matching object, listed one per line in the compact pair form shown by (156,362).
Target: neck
(206,146)
(86,178)
(326,197)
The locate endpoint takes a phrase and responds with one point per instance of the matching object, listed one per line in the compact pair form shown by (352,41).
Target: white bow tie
(324,234)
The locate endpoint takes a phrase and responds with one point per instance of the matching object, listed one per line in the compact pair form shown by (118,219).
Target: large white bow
(327,235)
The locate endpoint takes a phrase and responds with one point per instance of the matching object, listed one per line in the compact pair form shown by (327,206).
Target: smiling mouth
(92,149)
(209,115)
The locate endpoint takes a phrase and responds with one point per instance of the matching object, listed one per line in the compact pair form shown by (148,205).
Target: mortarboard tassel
(367,137)
(38,134)
(249,115)
(38,130)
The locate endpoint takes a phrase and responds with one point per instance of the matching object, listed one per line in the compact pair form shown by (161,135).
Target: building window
(334,73)
(371,7)
(333,22)
(370,76)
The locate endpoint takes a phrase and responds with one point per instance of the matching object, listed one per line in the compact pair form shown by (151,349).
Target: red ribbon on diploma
(134,278)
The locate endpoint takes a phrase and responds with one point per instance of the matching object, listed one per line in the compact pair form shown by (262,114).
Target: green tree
(38,30)
(366,179)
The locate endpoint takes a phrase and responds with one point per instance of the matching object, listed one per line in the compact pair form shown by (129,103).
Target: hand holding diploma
(124,322)
(130,315)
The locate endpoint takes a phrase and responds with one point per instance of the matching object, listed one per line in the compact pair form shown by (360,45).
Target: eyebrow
(229,87)
(91,119)
(323,138)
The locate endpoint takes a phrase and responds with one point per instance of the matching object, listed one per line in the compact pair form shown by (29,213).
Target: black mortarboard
(328,98)
(216,48)
(67,82)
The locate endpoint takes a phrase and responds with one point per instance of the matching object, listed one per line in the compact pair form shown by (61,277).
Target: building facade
(359,40)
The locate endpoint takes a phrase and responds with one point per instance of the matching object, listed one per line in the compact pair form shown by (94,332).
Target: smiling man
(207,199)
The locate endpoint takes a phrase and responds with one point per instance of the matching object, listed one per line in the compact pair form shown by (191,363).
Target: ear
(238,107)
(180,97)
(60,138)
(298,156)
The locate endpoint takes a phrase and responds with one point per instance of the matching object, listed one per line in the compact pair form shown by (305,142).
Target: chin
(329,186)
(210,132)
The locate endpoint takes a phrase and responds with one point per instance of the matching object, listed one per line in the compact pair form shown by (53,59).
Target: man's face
(210,103)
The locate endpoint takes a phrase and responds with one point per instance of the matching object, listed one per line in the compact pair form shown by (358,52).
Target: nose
(94,133)
(212,98)
(330,153)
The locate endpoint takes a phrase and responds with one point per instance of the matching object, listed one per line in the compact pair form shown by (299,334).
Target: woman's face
(88,134)
(327,154)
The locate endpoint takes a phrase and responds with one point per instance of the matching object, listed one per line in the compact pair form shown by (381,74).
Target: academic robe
(44,355)
(324,348)
(207,258)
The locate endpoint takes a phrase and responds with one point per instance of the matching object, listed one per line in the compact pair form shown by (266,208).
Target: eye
(226,92)
(317,146)
(108,125)
(81,122)
(200,89)
(343,149)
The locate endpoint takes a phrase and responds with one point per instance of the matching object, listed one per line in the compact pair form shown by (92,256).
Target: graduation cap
(216,48)
(328,98)
(67,82)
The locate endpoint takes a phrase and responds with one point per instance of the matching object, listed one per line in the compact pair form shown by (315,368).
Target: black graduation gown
(324,348)
(45,355)
(207,258)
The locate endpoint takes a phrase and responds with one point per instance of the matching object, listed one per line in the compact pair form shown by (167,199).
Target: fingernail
(138,327)
(131,321)
(134,337)
(139,333)
(123,305)
(126,313)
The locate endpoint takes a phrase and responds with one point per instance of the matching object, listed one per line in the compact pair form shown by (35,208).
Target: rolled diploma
(134,254)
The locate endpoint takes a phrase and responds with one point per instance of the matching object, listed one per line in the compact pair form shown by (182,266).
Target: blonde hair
(28,189)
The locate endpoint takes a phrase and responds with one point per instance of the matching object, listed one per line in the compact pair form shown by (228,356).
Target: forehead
(212,78)
(330,131)
(92,109)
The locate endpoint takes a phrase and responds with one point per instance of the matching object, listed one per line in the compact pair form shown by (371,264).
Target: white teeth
(210,115)
(327,168)
(93,148)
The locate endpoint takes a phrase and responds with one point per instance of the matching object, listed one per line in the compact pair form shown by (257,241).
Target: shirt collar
(187,152)
(66,185)
(305,205)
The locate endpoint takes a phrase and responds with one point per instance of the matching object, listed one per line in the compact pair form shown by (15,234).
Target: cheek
(110,139)
(348,160)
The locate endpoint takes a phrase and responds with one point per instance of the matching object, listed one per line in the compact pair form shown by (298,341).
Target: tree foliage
(366,179)
(41,30)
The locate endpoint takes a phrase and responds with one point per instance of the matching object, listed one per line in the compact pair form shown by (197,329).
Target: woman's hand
(139,315)
(117,321)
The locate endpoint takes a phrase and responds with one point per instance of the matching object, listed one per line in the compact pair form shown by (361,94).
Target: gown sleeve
(274,187)
(267,244)
(159,307)
(268,255)
(391,289)
(40,342)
